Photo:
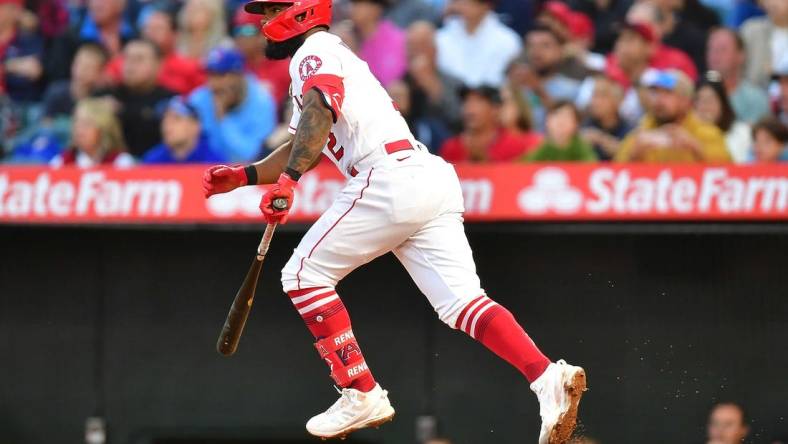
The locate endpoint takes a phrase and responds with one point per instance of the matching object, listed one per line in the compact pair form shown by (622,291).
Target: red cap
(19,3)
(243,18)
(560,11)
(644,29)
(581,26)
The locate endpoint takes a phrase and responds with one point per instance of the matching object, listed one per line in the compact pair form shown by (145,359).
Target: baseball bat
(242,304)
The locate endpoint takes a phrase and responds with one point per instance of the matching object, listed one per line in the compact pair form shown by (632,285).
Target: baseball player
(398,198)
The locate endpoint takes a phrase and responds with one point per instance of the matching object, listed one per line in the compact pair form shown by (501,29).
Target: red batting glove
(282,189)
(222,178)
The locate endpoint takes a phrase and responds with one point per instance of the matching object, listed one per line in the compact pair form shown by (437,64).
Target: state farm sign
(492,192)
(93,193)
(619,191)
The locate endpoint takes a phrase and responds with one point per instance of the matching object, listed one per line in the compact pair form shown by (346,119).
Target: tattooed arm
(312,133)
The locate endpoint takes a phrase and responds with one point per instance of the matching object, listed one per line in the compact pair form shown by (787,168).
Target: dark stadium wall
(121,323)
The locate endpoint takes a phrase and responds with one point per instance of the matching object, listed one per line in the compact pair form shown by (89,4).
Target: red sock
(325,316)
(495,327)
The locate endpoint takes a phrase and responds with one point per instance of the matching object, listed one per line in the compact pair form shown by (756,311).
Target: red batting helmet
(299,17)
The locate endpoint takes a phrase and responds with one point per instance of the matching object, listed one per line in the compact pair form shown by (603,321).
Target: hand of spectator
(424,73)
(282,189)
(593,136)
(28,67)
(523,75)
(222,178)
(681,139)
(28,21)
(597,137)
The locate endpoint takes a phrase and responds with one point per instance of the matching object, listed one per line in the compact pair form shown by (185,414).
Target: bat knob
(280,204)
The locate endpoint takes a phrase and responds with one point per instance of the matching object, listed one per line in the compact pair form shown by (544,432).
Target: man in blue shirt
(183,138)
(20,56)
(236,111)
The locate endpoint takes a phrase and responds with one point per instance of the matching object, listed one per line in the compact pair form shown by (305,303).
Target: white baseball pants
(409,203)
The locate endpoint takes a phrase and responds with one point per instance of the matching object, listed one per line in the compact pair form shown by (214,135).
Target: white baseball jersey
(365,117)
(398,198)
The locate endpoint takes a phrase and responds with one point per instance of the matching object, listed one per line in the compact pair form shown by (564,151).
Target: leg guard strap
(343,356)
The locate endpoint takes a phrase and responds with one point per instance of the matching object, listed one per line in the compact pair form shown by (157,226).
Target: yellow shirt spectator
(671,132)
(653,143)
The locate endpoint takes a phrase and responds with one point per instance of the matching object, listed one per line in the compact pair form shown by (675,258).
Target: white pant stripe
(317,304)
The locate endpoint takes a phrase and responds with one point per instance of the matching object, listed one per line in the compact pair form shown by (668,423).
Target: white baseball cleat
(559,390)
(353,411)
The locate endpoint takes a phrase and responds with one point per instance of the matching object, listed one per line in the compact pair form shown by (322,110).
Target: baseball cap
(223,60)
(670,80)
(245,24)
(19,3)
(645,30)
(488,92)
(581,26)
(560,11)
(181,107)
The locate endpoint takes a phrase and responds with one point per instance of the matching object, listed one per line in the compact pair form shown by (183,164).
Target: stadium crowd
(124,82)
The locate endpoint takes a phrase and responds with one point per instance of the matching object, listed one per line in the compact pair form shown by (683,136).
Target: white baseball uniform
(398,197)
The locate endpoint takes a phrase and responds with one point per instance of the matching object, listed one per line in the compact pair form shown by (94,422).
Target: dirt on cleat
(566,423)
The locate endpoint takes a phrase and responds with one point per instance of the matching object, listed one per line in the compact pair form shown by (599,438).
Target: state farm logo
(551,191)
(91,194)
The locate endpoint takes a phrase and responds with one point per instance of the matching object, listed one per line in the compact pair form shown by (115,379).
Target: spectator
(381,43)
(438,441)
(103,24)
(563,142)
(139,96)
(607,16)
(605,128)
(97,138)
(516,116)
(178,73)
(202,27)
(183,139)
(726,54)
(672,132)
(728,424)
(664,57)
(767,40)
(632,54)
(545,76)
(20,56)
(483,138)
(237,113)
(771,140)
(679,30)
(434,105)
(780,76)
(273,74)
(404,13)
(712,106)
(86,78)
(475,47)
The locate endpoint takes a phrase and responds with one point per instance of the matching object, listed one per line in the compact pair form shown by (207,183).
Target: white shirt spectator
(739,142)
(480,58)
(122,161)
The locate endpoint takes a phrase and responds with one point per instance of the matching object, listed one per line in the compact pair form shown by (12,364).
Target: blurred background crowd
(124,82)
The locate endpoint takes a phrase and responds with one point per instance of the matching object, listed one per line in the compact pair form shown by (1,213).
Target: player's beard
(284,49)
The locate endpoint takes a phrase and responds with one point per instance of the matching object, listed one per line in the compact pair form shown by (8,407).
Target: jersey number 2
(332,144)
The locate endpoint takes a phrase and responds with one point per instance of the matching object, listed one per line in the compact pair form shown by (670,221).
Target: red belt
(400,145)
(391,148)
